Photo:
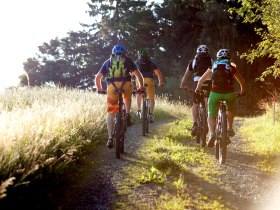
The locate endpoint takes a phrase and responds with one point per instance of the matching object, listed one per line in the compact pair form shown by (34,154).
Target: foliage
(265,15)
(153,175)
(171,30)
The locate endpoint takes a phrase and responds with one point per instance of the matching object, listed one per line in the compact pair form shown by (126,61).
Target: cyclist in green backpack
(118,69)
(222,74)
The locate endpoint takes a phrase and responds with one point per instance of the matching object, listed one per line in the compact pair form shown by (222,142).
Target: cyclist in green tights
(222,74)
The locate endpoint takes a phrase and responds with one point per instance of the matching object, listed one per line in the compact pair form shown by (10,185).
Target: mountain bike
(222,139)
(202,125)
(145,112)
(120,124)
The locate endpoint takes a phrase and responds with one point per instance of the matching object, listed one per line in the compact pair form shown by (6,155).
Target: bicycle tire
(223,142)
(118,134)
(197,136)
(218,133)
(148,116)
(122,144)
(204,126)
(124,120)
(144,115)
(198,131)
(124,128)
(217,146)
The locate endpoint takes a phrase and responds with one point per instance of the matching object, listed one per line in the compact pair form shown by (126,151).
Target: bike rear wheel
(147,116)
(223,141)
(144,115)
(124,120)
(217,151)
(118,134)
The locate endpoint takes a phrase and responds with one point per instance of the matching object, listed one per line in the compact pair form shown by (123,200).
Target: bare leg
(127,104)
(138,101)
(152,105)
(195,111)
(212,125)
(110,124)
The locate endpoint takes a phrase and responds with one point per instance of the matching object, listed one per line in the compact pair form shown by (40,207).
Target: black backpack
(222,73)
(201,63)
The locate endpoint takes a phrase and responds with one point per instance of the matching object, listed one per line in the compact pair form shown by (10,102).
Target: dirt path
(100,186)
(244,184)
(250,187)
(97,185)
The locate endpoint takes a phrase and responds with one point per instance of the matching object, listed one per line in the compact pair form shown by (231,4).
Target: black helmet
(202,49)
(223,53)
(118,49)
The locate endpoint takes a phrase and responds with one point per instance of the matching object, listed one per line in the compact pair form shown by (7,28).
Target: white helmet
(202,49)
(223,53)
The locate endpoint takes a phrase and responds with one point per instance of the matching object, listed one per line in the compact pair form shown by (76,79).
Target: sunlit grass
(41,126)
(48,127)
(175,171)
(263,139)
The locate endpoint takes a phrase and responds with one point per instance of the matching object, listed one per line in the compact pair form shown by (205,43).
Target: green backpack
(116,67)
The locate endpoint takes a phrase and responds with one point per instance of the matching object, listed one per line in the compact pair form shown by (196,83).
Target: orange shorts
(150,87)
(112,97)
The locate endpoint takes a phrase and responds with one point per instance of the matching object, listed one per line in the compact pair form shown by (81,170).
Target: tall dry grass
(46,127)
(262,135)
(42,126)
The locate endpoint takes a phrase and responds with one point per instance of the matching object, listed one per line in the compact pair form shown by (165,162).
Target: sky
(26,24)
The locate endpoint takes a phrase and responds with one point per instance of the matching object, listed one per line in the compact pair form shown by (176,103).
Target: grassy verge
(174,172)
(263,140)
(43,130)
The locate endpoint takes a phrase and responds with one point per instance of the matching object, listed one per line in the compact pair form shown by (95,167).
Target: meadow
(44,130)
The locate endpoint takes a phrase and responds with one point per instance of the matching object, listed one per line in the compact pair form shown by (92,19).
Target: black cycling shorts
(205,86)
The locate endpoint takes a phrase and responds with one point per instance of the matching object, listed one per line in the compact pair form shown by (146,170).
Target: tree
(265,16)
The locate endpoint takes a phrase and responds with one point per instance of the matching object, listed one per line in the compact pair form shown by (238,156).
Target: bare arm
(241,81)
(139,77)
(159,76)
(203,78)
(98,78)
(186,76)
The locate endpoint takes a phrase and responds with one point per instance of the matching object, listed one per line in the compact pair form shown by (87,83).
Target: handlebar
(137,91)
(102,92)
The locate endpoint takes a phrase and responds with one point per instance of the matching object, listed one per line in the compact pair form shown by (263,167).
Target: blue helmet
(118,49)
